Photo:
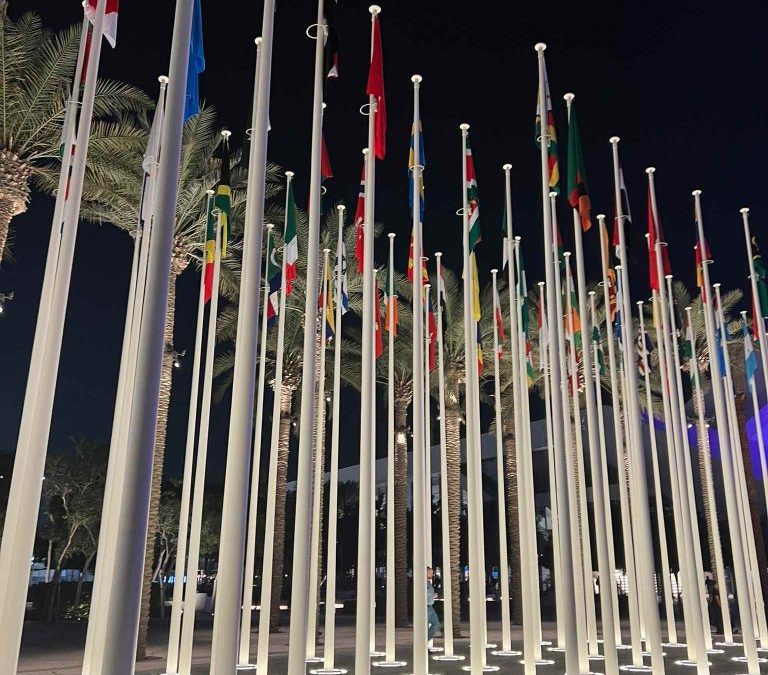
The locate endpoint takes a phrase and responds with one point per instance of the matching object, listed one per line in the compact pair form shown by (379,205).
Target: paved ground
(56,649)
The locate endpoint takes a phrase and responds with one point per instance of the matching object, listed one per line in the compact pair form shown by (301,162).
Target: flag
(644,347)
(378,335)
(473,203)
(750,358)
(432,335)
(391,314)
(550,135)
(291,240)
(761,302)
(505,242)
(274,279)
(210,250)
(543,330)
(223,199)
(656,235)
(359,224)
(326,301)
(597,338)
(441,286)
(110,18)
(499,319)
(700,268)
(625,211)
(475,288)
(416,137)
(412,264)
(479,351)
(576,318)
(341,259)
(331,45)
(375,88)
(689,350)
(196,63)
(610,273)
(578,194)
(326,171)
(522,292)
(618,319)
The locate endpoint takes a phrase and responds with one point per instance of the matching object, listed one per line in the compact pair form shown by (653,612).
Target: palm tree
(113,196)
(293,360)
(36,69)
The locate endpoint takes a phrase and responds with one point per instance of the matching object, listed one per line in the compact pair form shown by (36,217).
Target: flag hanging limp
(110,18)
(375,88)
(196,63)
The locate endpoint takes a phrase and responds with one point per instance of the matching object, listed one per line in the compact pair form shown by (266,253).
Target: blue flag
(750,358)
(196,64)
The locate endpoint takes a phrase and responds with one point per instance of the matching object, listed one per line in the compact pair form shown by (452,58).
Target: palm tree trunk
(453,468)
(513,526)
(163,403)
(703,451)
(401,512)
(753,494)
(283,449)
(14,191)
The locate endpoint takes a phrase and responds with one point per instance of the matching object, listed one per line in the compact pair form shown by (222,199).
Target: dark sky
(682,83)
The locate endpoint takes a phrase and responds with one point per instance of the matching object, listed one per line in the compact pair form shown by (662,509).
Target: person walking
(433,621)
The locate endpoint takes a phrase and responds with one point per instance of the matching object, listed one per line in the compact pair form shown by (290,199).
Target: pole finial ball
(569,97)
(614,139)
(258,41)
(716,285)
(439,254)
(744,210)
(566,254)
(650,170)
(391,235)
(270,226)
(601,216)
(226,133)
(552,195)
(209,192)
(494,271)
(518,238)
(416,79)
(289,174)
(365,151)
(464,126)
(507,167)
(163,79)
(696,193)
(374,9)
(540,47)
(326,250)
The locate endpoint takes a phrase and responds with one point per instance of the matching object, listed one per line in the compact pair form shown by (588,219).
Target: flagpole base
(448,657)
(389,664)
(328,671)
(314,659)
(506,652)
(245,667)
(485,669)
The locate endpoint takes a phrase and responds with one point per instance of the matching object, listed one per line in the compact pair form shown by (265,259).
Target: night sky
(681,83)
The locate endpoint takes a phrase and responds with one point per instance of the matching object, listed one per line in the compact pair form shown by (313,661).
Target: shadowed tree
(36,71)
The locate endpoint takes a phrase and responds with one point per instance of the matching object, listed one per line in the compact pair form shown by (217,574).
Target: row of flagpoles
(572,366)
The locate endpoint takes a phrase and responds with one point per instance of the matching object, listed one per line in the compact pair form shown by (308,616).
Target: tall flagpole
(196,525)
(506,637)
(728,464)
(390,659)
(329,646)
(375,324)
(267,563)
(708,484)
(318,477)
(566,548)
(448,654)
(639,503)
(224,645)
(595,458)
(246,611)
(174,633)
(26,486)
(420,663)
(616,401)
(427,427)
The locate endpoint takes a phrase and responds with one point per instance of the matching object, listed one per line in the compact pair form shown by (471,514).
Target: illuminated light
(384,664)
(744,659)
(689,664)
(501,652)
(485,669)
(636,669)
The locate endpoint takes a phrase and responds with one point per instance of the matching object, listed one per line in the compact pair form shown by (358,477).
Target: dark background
(682,83)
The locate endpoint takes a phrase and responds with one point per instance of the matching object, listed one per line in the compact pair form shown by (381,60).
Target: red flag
(432,336)
(359,220)
(656,235)
(375,88)
(700,268)
(379,335)
(110,18)
(326,171)
(499,326)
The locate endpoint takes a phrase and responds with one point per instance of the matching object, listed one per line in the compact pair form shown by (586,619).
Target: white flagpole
(660,517)
(26,484)
(174,633)
(506,637)
(578,476)
(196,524)
(553,494)
(364,568)
(329,640)
(474,501)
(427,428)
(695,542)
(300,582)
(618,436)
(568,618)
(639,503)
(224,645)
(577,570)
(267,564)
(730,478)
(246,611)
(758,426)
(596,465)
(758,617)
(447,578)
(606,583)
(318,476)
(708,488)
(526,504)
(375,327)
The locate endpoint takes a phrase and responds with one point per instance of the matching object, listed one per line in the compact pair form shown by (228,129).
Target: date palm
(36,71)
